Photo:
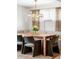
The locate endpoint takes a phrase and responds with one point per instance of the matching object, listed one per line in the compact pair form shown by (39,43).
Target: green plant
(35,28)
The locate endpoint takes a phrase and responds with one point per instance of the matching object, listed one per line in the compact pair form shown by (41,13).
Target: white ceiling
(31,3)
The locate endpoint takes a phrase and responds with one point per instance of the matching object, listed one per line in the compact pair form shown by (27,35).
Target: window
(48,14)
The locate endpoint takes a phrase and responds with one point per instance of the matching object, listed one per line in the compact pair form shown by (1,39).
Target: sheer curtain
(49,15)
(58,19)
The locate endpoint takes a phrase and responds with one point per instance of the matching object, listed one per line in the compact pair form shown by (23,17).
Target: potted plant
(35,28)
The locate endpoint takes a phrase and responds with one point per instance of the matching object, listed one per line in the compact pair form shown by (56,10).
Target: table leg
(44,48)
(22,49)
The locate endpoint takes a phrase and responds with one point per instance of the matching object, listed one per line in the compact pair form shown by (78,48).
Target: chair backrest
(54,39)
(19,38)
(28,40)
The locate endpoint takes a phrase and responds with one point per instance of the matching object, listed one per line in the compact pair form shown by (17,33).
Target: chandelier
(36,14)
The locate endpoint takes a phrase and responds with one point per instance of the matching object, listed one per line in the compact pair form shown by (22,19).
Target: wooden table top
(35,35)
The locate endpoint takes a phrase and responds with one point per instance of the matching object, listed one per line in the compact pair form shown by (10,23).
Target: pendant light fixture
(35,15)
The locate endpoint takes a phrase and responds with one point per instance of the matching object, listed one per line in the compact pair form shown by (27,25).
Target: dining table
(44,37)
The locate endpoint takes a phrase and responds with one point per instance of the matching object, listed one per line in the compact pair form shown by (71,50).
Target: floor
(29,56)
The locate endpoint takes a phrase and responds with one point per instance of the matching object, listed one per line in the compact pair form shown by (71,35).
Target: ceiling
(31,3)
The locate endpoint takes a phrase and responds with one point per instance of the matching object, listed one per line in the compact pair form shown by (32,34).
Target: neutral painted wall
(23,20)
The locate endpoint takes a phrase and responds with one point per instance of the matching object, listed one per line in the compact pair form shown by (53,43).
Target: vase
(34,32)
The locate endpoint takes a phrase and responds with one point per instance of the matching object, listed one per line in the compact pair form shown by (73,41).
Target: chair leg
(18,47)
(37,48)
(26,50)
(56,49)
(49,50)
(33,51)
(23,50)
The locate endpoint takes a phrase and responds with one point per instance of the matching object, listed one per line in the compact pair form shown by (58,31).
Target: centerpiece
(35,29)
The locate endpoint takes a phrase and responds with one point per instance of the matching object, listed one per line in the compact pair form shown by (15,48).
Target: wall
(43,29)
(24,22)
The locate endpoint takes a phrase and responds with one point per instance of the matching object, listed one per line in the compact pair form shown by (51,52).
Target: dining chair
(19,42)
(53,45)
(31,45)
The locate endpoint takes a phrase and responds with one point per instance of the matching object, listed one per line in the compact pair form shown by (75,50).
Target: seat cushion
(29,45)
(19,43)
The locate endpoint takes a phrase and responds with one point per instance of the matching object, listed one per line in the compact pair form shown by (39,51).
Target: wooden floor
(29,56)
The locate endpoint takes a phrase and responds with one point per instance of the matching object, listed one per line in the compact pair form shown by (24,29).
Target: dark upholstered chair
(53,45)
(19,42)
(29,44)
